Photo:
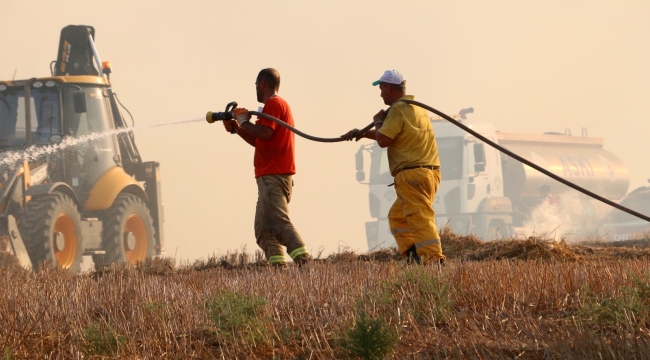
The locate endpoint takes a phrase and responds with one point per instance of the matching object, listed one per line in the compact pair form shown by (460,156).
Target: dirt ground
(466,248)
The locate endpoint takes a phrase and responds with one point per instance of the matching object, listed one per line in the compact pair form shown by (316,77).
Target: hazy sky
(526,66)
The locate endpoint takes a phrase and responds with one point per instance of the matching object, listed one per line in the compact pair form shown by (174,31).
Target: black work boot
(412,256)
(279,265)
(303,259)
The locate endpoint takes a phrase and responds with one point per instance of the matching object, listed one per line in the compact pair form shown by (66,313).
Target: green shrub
(642,287)
(612,310)
(234,313)
(158,310)
(101,340)
(369,338)
(154,307)
(426,297)
(288,335)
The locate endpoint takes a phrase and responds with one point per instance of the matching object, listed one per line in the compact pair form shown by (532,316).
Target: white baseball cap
(391,77)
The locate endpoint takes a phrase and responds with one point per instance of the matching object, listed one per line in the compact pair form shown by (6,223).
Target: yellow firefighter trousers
(411,218)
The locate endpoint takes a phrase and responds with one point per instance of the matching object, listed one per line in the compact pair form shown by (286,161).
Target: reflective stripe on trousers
(276,259)
(299,251)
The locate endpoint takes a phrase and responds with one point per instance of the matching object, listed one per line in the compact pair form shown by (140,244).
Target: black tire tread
(36,222)
(112,229)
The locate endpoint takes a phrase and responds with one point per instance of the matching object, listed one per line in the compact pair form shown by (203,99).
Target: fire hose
(228,115)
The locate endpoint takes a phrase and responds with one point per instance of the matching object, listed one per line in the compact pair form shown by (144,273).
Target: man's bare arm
(250,139)
(257,131)
(383,140)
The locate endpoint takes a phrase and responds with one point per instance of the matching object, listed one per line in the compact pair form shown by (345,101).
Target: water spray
(35,151)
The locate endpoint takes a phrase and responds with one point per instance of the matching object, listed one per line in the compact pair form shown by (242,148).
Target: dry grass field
(511,299)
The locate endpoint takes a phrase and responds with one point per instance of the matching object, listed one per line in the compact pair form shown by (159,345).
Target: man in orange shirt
(274,166)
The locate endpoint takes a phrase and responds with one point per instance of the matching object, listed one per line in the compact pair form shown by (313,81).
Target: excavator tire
(51,229)
(128,232)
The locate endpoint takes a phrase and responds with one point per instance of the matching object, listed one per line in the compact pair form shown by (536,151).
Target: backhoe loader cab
(72,182)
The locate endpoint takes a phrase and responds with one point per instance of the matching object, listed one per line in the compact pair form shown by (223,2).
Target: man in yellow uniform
(413,160)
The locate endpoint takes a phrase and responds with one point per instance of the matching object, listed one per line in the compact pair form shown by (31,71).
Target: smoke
(571,216)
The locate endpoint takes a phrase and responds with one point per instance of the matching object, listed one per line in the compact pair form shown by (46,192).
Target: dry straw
(528,298)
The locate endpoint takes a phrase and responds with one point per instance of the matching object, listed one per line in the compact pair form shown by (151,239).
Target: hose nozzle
(208,117)
(211,117)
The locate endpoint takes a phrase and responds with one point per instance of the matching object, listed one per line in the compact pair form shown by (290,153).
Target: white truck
(487,193)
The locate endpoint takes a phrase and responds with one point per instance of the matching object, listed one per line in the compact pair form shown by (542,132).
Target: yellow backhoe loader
(71,183)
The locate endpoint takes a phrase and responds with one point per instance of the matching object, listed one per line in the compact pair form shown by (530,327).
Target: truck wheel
(497,230)
(51,228)
(128,232)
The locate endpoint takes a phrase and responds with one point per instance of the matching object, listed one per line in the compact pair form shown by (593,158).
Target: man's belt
(430,167)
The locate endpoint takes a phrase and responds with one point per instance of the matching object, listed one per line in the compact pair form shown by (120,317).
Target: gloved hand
(241,115)
(352,134)
(230,124)
(378,119)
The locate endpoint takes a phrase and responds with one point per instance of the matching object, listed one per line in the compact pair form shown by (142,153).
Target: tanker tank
(578,159)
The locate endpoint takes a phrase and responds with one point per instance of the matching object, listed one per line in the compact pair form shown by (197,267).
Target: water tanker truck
(71,183)
(486,193)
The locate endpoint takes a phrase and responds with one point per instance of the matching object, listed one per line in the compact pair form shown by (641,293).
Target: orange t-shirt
(275,156)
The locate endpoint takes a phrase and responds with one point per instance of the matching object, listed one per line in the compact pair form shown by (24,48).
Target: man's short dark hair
(398,87)
(271,77)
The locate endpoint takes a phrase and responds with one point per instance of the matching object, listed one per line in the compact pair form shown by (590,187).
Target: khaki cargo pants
(411,218)
(273,228)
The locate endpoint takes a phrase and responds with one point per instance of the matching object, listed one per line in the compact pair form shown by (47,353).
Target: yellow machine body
(109,185)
